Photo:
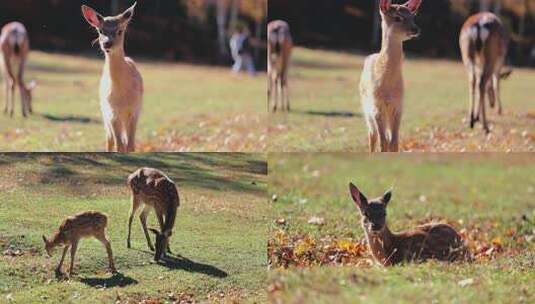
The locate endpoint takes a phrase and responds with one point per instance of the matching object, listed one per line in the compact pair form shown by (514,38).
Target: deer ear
(413,6)
(127,15)
(360,200)
(384,5)
(92,17)
(387,196)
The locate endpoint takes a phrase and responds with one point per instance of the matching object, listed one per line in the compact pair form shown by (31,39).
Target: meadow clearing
(316,251)
(219,240)
(326,112)
(186,108)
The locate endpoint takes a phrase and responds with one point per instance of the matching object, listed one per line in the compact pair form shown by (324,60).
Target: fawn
(156,191)
(430,241)
(483,41)
(381,84)
(76,227)
(15,47)
(121,85)
(279,51)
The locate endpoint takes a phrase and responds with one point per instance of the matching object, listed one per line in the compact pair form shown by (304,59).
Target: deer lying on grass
(74,228)
(484,41)
(430,241)
(15,47)
(156,191)
(381,85)
(280,46)
(121,85)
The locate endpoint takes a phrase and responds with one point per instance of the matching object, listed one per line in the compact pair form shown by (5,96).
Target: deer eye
(119,32)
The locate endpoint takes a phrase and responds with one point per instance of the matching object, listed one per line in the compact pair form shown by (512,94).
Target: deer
(121,84)
(280,45)
(152,189)
(429,241)
(15,47)
(76,227)
(484,41)
(381,84)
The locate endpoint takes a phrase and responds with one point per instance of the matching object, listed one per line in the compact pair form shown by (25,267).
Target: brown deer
(280,46)
(82,225)
(484,41)
(430,241)
(15,47)
(121,85)
(381,84)
(156,191)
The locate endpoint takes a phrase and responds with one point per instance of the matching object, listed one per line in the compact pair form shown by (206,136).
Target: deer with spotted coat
(483,41)
(121,84)
(381,85)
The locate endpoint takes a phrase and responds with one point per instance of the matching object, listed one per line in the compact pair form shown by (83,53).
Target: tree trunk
(376,31)
(221,20)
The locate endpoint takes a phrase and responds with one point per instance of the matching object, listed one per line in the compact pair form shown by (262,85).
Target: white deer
(121,85)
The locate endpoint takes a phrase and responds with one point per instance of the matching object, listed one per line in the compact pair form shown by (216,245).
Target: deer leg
(372,134)
(132,128)
(26,104)
(74,247)
(483,84)
(6,101)
(161,222)
(472,89)
(136,202)
(104,240)
(143,219)
(380,127)
(285,94)
(23,103)
(58,268)
(270,92)
(395,124)
(12,97)
(117,132)
(496,88)
(110,142)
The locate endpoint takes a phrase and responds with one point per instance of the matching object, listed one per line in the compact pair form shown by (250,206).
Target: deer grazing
(15,47)
(484,41)
(381,84)
(156,191)
(74,228)
(121,85)
(280,46)
(430,241)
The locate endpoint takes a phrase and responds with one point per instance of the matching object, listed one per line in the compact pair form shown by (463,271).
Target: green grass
(186,108)
(219,236)
(327,113)
(489,196)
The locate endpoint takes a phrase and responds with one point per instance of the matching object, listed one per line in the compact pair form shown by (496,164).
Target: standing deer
(82,225)
(430,241)
(381,85)
(121,85)
(280,46)
(156,191)
(483,41)
(15,47)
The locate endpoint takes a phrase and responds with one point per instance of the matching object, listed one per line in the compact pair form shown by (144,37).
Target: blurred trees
(354,24)
(192,30)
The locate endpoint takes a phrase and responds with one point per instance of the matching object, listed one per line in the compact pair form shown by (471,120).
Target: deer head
(162,240)
(48,246)
(373,212)
(399,18)
(111,30)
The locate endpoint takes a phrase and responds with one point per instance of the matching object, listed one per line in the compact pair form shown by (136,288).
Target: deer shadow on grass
(334,114)
(70,118)
(116,280)
(179,262)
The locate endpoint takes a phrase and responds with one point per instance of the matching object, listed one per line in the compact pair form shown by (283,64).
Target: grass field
(219,239)
(186,108)
(316,249)
(327,114)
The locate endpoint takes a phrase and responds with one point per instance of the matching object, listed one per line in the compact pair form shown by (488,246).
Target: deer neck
(115,65)
(381,245)
(391,55)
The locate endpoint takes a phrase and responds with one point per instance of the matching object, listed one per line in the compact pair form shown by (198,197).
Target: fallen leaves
(286,250)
